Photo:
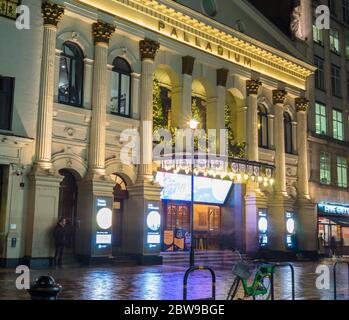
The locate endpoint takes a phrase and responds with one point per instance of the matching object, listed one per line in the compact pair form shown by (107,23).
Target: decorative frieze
(102,31)
(279,96)
(252,86)
(52,13)
(302,104)
(148,48)
(222,77)
(188,65)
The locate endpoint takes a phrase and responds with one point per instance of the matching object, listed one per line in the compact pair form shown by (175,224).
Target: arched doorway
(120,194)
(67,208)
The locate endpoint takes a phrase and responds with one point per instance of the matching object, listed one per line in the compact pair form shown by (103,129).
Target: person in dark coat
(59,235)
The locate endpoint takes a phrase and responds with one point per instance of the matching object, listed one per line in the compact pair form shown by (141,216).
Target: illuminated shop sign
(263,227)
(153,227)
(206,190)
(104,217)
(333,209)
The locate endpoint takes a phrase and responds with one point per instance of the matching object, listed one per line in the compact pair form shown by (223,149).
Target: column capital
(302,104)
(252,86)
(102,31)
(279,96)
(188,65)
(222,77)
(51,13)
(148,48)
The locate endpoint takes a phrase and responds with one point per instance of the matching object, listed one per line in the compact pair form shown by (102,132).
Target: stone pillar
(252,87)
(279,97)
(277,206)
(96,184)
(187,75)
(52,14)
(148,49)
(102,33)
(306,210)
(302,105)
(43,193)
(145,192)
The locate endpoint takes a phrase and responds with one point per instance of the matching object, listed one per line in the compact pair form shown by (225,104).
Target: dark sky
(277,11)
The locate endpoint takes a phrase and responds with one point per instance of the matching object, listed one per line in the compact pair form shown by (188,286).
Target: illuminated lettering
(161,25)
(208,46)
(174,32)
(220,50)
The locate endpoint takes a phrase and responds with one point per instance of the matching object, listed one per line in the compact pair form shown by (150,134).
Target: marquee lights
(235,171)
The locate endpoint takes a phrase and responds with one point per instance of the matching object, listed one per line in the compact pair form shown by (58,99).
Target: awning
(342,221)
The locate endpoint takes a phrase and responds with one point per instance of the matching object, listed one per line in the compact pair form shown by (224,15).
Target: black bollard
(44,288)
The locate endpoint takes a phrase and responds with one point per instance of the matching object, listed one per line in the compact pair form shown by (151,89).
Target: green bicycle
(260,289)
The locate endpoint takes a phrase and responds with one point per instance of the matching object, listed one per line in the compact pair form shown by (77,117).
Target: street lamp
(193,124)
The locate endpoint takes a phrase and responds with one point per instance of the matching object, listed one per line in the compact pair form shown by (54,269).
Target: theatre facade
(93,69)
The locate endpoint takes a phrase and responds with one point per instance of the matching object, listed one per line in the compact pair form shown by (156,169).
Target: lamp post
(193,124)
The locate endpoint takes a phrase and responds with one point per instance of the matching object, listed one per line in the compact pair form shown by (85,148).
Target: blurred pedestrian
(59,235)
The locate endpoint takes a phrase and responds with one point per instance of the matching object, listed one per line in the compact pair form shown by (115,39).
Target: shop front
(333,229)
(210,197)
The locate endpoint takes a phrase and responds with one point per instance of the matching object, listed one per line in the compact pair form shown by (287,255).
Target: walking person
(333,246)
(59,235)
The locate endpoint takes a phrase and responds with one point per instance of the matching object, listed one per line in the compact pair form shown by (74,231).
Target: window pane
(64,76)
(338,125)
(325,168)
(125,95)
(114,96)
(321,119)
(342,172)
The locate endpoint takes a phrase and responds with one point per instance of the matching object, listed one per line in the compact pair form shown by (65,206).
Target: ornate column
(148,49)
(222,77)
(302,105)
(187,78)
(102,33)
(279,97)
(52,14)
(252,87)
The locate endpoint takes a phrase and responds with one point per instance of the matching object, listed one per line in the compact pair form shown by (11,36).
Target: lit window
(334,40)
(321,119)
(318,35)
(8,8)
(71,71)
(120,88)
(338,125)
(325,168)
(342,172)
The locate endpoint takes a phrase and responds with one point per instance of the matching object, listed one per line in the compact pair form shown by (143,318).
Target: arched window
(120,98)
(71,73)
(263,127)
(288,133)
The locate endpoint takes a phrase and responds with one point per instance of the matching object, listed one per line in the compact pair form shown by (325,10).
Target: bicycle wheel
(265,284)
(236,291)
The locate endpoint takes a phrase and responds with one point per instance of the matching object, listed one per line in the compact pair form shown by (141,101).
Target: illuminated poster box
(206,190)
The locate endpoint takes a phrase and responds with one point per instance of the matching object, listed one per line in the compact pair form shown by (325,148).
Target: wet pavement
(165,283)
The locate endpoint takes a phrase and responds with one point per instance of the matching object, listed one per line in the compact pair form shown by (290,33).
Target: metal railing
(193,269)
